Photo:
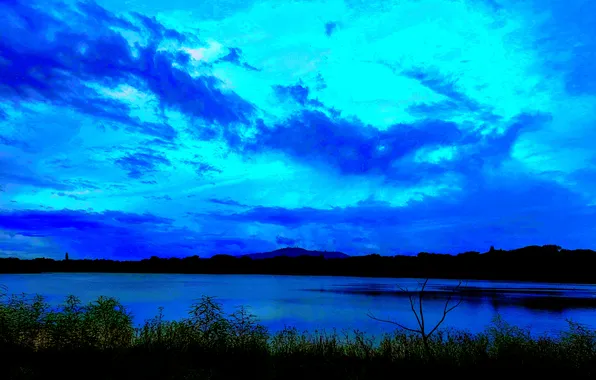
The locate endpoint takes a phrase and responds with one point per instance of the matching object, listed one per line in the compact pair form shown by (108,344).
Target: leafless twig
(420,314)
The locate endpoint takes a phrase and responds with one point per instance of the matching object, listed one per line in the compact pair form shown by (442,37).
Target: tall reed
(212,344)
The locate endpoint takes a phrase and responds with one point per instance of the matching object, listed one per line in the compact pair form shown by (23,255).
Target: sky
(132,128)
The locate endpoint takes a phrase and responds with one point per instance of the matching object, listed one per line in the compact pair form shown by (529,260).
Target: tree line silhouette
(548,263)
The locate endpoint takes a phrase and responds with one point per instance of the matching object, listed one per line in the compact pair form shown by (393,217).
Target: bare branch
(392,322)
(414,310)
(447,309)
(420,313)
(420,293)
(454,306)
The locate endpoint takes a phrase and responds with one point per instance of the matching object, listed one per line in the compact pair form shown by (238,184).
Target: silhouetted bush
(98,340)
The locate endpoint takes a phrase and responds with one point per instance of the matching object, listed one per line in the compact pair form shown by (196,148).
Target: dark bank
(548,263)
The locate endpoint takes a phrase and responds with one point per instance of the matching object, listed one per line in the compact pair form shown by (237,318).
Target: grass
(98,340)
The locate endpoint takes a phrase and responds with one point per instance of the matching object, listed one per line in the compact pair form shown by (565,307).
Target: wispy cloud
(142,162)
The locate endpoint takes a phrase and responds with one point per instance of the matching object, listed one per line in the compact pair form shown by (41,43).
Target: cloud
(299,93)
(141,162)
(129,218)
(226,202)
(159,197)
(38,221)
(330,27)
(14,172)
(225,244)
(202,168)
(156,29)
(441,85)
(88,234)
(569,40)
(32,220)
(63,60)
(284,241)
(349,146)
(510,214)
(14,143)
(234,56)
(456,104)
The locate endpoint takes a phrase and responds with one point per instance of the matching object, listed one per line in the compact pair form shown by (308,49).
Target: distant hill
(295,252)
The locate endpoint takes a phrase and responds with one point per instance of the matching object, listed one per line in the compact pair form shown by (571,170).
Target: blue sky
(131,128)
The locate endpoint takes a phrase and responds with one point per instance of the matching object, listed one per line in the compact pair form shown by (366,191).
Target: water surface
(313,302)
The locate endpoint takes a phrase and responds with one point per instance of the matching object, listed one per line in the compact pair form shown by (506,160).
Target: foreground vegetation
(98,340)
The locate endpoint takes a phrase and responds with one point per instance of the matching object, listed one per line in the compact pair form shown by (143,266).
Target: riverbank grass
(98,340)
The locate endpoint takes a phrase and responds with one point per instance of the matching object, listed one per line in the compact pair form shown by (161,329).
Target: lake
(311,302)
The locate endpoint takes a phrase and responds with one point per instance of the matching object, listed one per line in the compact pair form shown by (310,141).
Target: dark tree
(66,257)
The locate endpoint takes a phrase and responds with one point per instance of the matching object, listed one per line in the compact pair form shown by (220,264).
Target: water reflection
(555,299)
(325,303)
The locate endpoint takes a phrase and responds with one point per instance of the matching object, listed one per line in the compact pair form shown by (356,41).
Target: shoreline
(493,279)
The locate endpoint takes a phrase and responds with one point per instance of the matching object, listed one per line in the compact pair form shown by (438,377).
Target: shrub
(211,344)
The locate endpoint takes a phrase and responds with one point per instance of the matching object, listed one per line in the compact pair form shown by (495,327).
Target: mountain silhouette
(296,252)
